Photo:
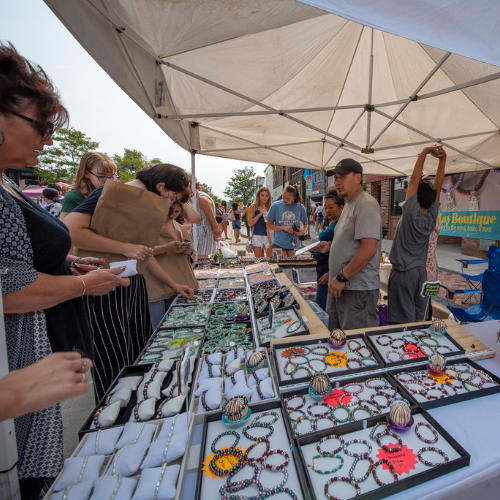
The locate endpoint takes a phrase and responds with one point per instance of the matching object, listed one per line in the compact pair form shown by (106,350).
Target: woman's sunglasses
(46,130)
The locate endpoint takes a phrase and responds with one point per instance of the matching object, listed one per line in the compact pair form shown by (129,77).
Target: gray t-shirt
(409,248)
(361,218)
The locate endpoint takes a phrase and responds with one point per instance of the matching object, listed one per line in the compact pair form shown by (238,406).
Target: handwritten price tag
(333,398)
(442,379)
(403,460)
(332,359)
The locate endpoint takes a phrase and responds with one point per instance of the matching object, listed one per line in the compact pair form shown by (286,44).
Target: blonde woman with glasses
(257,223)
(94,170)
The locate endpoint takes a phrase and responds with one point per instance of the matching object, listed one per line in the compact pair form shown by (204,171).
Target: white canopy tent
(280,82)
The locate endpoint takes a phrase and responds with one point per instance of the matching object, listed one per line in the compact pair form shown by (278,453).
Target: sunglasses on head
(46,130)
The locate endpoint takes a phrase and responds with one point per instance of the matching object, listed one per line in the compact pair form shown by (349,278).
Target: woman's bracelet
(83,293)
(72,265)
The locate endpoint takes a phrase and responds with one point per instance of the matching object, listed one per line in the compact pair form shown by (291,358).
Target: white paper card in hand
(130,267)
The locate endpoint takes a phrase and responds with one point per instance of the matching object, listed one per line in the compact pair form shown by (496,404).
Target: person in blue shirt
(283,216)
(334,205)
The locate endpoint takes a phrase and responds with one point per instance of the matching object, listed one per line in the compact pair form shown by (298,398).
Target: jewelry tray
(333,373)
(183,301)
(315,482)
(323,422)
(462,396)
(266,309)
(303,330)
(208,489)
(195,399)
(161,326)
(125,413)
(398,333)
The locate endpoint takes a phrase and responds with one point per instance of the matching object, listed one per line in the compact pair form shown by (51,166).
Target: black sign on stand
(430,288)
(295,277)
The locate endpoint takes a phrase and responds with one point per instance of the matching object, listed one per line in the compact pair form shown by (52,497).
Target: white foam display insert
(344,490)
(442,339)
(319,366)
(280,330)
(305,426)
(421,398)
(195,406)
(279,441)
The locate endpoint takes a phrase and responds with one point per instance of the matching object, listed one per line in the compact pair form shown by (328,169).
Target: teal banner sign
(485,225)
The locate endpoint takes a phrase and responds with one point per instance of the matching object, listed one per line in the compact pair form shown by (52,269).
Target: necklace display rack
(375,393)
(126,412)
(467,380)
(287,323)
(398,347)
(282,454)
(448,457)
(247,373)
(317,350)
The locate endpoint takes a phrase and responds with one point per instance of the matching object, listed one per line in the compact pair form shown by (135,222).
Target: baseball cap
(345,167)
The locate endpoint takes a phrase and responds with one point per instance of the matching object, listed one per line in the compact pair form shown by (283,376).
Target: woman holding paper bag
(120,221)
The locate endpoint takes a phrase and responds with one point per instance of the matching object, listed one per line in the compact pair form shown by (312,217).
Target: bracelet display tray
(463,395)
(397,333)
(195,399)
(206,293)
(257,268)
(221,291)
(315,482)
(325,424)
(331,371)
(208,488)
(209,328)
(210,273)
(303,330)
(187,323)
(125,413)
(221,318)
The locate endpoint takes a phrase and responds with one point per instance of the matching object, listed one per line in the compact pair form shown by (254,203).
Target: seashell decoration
(438,325)
(234,411)
(337,336)
(320,384)
(400,413)
(437,362)
(256,360)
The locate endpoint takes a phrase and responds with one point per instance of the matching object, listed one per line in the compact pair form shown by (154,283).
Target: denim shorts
(237,224)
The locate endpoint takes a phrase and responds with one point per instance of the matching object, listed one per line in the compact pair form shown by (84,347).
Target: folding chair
(475,281)
(488,308)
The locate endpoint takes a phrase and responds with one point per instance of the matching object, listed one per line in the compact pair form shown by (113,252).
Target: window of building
(398,194)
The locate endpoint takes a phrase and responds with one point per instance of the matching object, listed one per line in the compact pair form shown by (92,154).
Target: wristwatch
(341,278)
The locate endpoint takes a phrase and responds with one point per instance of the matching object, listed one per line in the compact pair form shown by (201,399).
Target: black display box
(267,343)
(458,398)
(398,486)
(388,331)
(331,375)
(124,414)
(257,407)
(304,390)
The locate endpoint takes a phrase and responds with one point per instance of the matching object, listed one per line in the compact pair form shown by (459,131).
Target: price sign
(430,288)
(295,277)
(271,315)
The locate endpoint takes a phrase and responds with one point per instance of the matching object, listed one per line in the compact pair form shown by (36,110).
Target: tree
(241,184)
(60,162)
(207,189)
(131,162)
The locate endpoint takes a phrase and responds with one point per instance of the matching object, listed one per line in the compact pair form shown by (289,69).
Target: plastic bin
(319,312)
(307,295)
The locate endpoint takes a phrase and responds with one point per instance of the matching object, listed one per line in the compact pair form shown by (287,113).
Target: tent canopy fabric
(281,82)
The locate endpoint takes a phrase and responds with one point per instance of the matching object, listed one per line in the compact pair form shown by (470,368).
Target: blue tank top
(260,229)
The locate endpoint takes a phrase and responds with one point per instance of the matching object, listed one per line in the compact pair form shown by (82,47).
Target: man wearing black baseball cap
(354,262)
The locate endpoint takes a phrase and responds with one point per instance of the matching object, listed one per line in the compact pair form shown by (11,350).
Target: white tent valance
(280,82)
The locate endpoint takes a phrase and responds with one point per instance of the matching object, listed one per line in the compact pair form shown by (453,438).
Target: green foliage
(242,183)
(207,189)
(131,162)
(60,162)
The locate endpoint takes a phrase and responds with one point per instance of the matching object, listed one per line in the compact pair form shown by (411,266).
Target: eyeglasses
(104,177)
(46,130)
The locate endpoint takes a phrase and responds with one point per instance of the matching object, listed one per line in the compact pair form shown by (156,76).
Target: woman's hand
(55,378)
(322,247)
(184,290)
(288,229)
(138,252)
(102,281)
(86,264)
(324,279)
(217,234)
(176,247)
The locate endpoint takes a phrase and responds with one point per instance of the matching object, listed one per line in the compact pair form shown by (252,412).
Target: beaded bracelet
(368,382)
(275,468)
(428,441)
(400,376)
(357,441)
(287,402)
(387,448)
(437,450)
(425,341)
(330,354)
(326,455)
(391,468)
(233,487)
(431,350)
(430,396)
(368,472)
(222,453)
(325,365)
(399,355)
(299,363)
(368,361)
(327,438)
(326,350)
(353,360)
(340,421)
(349,344)
(299,421)
(295,370)
(380,395)
(379,337)
(254,426)
(351,384)
(363,404)
(251,447)
(298,411)
(316,415)
(360,349)
(343,480)
(96,417)
(136,411)
(393,341)
(266,414)
(324,417)
(226,433)
(374,435)
(354,402)
(392,389)
(361,408)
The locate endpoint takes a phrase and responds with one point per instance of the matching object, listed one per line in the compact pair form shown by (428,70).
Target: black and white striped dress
(205,241)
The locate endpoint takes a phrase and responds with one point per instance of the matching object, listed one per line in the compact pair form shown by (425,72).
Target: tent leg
(195,204)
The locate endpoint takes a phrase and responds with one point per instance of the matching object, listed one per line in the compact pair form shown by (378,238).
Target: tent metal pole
(410,99)
(195,201)
(370,89)
(9,484)
(265,147)
(438,140)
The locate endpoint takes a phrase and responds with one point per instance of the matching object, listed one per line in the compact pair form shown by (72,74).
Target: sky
(97,106)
